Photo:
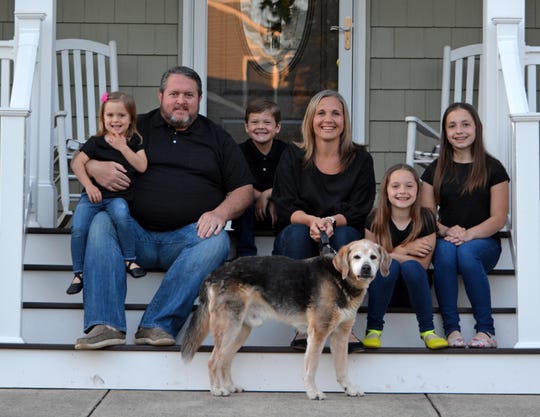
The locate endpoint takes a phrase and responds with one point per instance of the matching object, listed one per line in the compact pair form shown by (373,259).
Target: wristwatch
(333,220)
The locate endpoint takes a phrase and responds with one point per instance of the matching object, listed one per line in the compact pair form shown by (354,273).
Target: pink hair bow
(104,97)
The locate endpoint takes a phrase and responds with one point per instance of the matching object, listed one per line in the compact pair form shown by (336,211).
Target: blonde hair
(347,147)
(129,104)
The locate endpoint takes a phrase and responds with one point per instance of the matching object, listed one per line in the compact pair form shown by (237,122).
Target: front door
(285,50)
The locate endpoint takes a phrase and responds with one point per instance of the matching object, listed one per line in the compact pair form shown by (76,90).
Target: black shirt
(96,147)
(263,167)
(350,193)
(464,209)
(429,226)
(189,172)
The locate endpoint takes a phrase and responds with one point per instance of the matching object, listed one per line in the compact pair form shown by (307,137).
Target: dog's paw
(220,392)
(353,392)
(315,395)
(235,388)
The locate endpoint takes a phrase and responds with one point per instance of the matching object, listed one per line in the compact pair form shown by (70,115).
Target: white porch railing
(525,160)
(14,138)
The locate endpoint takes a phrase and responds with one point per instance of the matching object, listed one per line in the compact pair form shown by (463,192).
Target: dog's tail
(198,327)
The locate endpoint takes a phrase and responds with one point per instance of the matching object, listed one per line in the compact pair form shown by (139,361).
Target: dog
(319,295)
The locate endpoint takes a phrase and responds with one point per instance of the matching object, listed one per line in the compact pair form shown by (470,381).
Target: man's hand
(110,175)
(210,223)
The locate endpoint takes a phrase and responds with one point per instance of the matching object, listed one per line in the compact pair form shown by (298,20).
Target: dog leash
(324,245)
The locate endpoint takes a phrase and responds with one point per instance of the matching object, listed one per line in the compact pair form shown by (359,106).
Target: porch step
(385,370)
(52,320)
(52,316)
(63,324)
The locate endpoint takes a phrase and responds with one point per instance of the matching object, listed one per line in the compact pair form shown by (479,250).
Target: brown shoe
(154,336)
(99,337)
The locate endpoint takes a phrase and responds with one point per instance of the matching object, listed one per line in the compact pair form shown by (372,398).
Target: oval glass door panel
(283,50)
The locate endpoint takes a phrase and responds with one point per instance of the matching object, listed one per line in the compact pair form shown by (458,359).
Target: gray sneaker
(99,337)
(154,336)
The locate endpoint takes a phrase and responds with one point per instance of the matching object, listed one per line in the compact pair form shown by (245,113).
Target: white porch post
(43,204)
(525,153)
(497,129)
(12,176)
(526,177)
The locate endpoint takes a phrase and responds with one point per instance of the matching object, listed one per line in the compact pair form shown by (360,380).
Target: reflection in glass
(280,49)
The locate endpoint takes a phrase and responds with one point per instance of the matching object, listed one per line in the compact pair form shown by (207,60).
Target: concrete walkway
(105,403)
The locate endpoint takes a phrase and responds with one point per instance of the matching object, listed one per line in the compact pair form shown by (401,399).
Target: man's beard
(179,123)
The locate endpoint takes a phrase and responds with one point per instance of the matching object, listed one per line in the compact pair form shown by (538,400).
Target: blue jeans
(244,227)
(472,260)
(294,241)
(186,257)
(382,288)
(118,210)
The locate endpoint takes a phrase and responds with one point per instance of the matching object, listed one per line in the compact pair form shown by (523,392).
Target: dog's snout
(365,270)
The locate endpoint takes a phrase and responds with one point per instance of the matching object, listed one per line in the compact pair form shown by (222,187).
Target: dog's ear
(386,260)
(341,261)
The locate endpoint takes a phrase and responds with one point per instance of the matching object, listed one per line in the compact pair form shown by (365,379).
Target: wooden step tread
(44,267)
(135,307)
(277,349)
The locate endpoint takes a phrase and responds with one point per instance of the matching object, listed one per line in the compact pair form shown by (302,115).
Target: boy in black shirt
(262,152)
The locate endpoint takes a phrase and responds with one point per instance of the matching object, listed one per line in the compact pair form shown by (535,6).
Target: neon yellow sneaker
(372,340)
(432,341)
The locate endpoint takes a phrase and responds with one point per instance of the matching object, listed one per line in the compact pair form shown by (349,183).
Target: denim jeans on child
(381,290)
(472,260)
(118,210)
(186,257)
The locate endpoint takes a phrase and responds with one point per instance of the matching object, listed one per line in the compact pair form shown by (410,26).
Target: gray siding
(406,44)
(146,31)
(406,38)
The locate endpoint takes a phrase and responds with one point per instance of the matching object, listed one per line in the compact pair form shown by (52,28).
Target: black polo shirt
(263,167)
(189,172)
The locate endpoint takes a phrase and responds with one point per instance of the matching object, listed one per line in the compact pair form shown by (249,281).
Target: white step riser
(53,249)
(50,286)
(427,372)
(401,330)
(373,373)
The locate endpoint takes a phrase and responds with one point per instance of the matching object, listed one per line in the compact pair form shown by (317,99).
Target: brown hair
(380,226)
(346,146)
(129,104)
(445,168)
(260,105)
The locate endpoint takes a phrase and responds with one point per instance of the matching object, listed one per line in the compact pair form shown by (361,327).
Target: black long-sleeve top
(350,193)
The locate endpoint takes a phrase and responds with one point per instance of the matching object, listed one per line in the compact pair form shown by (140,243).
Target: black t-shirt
(96,147)
(350,193)
(429,226)
(263,167)
(189,172)
(465,209)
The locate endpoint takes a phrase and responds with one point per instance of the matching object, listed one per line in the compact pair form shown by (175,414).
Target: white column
(13,179)
(43,210)
(494,111)
(526,228)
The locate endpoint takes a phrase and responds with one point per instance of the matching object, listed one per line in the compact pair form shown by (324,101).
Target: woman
(325,184)
(470,187)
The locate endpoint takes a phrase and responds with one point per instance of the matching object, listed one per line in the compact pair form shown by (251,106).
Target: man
(196,180)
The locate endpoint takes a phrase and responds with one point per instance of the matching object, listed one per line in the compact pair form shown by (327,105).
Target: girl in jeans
(117,140)
(470,189)
(408,232)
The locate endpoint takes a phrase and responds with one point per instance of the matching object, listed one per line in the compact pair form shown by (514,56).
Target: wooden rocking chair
(460,76)
(85,70)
